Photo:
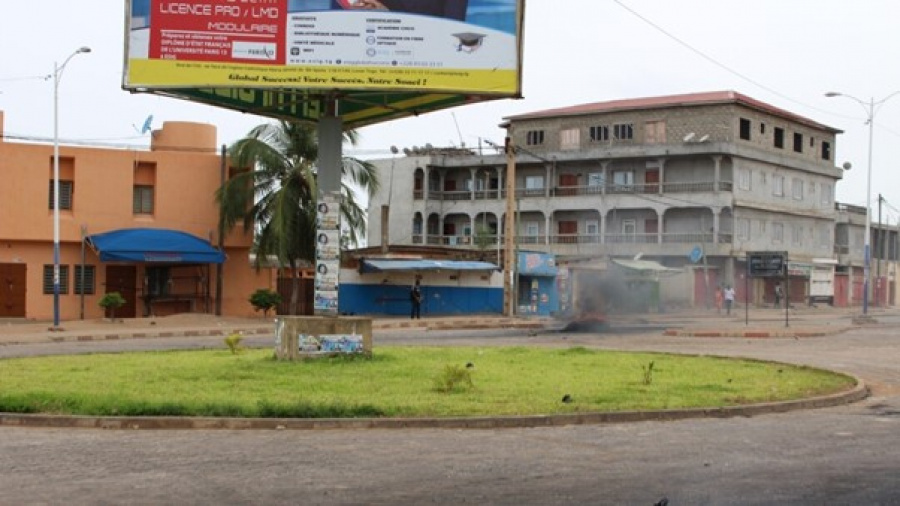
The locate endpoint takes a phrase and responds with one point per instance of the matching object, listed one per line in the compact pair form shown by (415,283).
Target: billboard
(424,47)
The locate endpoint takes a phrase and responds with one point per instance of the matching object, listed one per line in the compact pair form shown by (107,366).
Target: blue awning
(153,245)
(382,265)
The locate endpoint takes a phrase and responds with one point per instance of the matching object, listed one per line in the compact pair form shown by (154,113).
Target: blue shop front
(536,280)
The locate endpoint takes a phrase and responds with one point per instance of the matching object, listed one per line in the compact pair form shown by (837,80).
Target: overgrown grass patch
(396,381)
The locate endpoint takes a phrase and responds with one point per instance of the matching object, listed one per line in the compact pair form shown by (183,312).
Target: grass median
(397,382)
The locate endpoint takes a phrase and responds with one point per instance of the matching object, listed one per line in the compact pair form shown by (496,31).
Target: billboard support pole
(330,132)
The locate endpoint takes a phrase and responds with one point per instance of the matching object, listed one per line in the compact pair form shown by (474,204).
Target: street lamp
(871,107)
(57,74)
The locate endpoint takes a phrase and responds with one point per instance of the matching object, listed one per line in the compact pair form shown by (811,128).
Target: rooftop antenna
(462,143)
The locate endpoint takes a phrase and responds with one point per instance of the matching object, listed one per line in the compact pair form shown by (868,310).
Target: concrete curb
(423,325)
(756,333)
(858,393)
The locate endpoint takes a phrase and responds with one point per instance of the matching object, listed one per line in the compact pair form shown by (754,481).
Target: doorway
(123,279)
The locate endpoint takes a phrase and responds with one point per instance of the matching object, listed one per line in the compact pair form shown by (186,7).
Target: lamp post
(57,74)
(871,107)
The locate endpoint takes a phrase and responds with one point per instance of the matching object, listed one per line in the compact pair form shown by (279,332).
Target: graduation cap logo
(469,41)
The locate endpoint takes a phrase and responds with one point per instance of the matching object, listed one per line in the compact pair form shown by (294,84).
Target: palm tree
(276,196)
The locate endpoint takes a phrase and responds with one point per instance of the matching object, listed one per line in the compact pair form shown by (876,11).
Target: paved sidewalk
(188,325)
(759,323)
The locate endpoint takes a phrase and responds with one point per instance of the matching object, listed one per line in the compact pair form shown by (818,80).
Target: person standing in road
(729,298)
(415,298)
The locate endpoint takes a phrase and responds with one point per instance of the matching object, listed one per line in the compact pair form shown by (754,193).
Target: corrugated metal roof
(367,265)
(645,266)
(664,101)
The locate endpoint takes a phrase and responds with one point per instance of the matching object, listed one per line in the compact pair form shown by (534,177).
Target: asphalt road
(843,455)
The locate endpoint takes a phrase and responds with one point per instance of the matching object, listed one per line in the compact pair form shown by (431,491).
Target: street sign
(766,264)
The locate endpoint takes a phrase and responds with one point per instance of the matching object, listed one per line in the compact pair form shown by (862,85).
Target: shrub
(648,373)
(233,341)
(453,377)
(264,300)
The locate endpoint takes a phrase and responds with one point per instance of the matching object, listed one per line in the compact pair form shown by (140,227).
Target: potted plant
(110,302)
(265,300)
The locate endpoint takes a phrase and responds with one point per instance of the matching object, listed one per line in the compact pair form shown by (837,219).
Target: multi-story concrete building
(168,189)
(694,182)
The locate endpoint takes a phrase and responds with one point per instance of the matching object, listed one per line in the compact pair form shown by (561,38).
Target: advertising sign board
(766,264)
(428,47)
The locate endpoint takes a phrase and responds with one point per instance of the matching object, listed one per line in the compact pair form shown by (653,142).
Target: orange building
(168,189)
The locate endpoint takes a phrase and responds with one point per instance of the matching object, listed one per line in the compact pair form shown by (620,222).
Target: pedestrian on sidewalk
(718,299)
(778,295)
(415,298)
(729,298)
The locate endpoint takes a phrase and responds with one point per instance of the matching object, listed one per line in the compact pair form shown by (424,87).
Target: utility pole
(880,236)
(509,298)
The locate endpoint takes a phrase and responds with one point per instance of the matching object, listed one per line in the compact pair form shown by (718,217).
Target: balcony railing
(617,238)
(578,191)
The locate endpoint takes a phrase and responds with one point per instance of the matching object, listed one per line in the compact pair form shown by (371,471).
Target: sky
(787,53)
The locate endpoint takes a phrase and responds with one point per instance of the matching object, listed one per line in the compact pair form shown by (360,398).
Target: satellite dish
(147,126)
(696,254)
(847,165)
(406,151)
(689,137)
(704,138)
(638,256)
(394,150)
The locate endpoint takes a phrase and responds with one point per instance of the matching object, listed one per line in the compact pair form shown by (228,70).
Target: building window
(778,139)
(623,131)
(797,233)
(595,179)
(599,133)
(63,279)
(797,188)
(762,128)
(743,229)
(534,137)
(778,186)
(65,194)
(532,229)
(825,236)
(142,202)
(88,275)
(534,182)
(592,227)
(655,132)
(826,150)
(826,195)
(798,142)
(629,227)
(623,178)
(744,179)
(777,232)
(569,139)
(745,129)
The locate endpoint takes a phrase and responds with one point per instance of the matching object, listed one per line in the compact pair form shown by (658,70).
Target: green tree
(276,196)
